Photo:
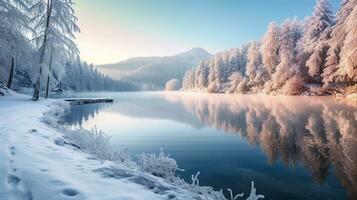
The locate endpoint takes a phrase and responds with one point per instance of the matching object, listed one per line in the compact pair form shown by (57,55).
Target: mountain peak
(196,52)
(199,49)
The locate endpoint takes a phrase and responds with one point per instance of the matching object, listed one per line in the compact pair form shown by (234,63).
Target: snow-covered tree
(55,24)
(201,75)
(270,46)
(188,81)
(173,85)
(237,60)
(237,83)
(315,35)
(256,73)
(315,26)
(254,60)
(217,68)
(287,67)
(14,28)
(338,36)
(216,74)
(348,56)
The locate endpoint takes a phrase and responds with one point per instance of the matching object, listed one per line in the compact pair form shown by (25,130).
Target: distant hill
(155,71)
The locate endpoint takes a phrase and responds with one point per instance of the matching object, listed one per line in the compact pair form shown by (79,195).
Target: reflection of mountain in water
(81,113)
(153,106)
(320,133)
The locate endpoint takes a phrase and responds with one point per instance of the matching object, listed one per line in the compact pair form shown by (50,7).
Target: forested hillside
(154,72)
(317,56)
(81,76)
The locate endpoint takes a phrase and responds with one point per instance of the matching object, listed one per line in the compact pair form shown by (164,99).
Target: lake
(291,147)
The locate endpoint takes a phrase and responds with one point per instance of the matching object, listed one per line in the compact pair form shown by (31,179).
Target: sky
(115,30)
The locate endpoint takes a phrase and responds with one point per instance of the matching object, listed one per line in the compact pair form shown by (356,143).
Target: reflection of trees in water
(318,132)
(81,113)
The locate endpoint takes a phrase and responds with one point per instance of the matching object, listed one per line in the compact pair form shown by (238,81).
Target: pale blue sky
(113,30)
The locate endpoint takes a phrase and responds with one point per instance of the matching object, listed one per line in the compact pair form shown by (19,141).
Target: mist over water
(292,147)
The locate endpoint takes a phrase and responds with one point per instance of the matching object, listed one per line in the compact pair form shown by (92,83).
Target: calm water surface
(292,147)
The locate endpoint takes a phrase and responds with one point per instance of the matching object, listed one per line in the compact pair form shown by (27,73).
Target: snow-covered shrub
(122,156)
(173,85)
(4,91)
(161,165)
(294,86)
(93,141)
(210,194)
(57,110)
(205,191)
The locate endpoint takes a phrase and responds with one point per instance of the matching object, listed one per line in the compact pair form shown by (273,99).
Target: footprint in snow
(69,192)
(12,150)
(13,180)
(32,131)
(19,190)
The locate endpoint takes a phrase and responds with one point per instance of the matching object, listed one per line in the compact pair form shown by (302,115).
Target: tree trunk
(11,76)
(49,75)
(36,91)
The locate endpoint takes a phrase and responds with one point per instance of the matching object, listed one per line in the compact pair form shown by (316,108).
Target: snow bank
(39,159)
(4,91)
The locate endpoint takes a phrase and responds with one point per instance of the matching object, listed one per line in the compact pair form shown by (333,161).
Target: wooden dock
(82,101)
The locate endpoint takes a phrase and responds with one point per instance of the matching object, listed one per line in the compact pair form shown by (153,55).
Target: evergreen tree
(316,30)
(348,56)
(270,46)
(336,42)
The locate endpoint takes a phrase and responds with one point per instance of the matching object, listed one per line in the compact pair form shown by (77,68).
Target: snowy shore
(33,165)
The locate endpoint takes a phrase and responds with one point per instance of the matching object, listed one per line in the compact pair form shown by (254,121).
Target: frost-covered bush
(4,91)
(210,194)
(294,86)
(57,110)
(93,141)
(161,165)
(122,156)
(207,192)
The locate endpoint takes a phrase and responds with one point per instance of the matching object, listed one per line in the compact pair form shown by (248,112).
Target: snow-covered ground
(34,165)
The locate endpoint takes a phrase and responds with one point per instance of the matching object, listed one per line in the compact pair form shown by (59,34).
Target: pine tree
(201,75)
(338,36)
(315,35)
(270,46)
(254,60)
(287,67)
(348,56)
